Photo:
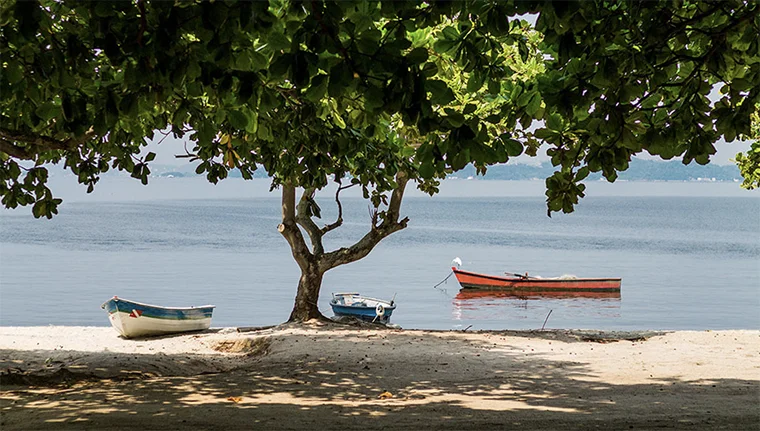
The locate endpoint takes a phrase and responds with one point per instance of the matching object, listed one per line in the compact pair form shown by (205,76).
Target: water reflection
(470,294)
(478,306)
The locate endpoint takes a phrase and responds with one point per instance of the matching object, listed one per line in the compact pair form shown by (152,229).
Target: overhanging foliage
(310,90)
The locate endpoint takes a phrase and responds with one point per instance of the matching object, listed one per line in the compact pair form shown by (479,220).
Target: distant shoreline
(125,189)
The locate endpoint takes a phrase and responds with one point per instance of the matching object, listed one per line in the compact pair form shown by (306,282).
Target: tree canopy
(313,90)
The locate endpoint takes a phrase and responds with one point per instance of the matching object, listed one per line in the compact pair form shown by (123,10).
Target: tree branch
(303,218)
(12,150)
(394,207)
(143,22)
(339,221)
(289,229)
(389,225)
(35,144)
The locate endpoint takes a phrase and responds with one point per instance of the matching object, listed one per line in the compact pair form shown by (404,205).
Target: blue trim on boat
(114,305)
(366,313)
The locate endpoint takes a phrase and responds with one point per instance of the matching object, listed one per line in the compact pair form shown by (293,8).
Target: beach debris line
(257,346)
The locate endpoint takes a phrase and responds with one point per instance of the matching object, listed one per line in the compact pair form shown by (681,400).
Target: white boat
(135,319)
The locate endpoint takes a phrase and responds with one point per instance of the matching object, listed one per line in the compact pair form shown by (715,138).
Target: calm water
(689,256)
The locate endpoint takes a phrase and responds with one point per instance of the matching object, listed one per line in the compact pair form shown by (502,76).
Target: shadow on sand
(452,384)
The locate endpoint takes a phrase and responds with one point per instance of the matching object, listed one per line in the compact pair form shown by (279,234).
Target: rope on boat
(444,280)
(444,291)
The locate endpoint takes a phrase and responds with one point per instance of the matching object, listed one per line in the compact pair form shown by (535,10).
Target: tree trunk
(315,262)
(306,304)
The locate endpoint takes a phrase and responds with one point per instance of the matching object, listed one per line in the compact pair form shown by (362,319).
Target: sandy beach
(326,376)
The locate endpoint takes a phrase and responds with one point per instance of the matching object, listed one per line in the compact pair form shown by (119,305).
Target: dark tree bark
(34,144)
(315,262)
(307,297)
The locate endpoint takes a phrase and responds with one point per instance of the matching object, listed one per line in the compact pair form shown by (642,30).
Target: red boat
(524,283)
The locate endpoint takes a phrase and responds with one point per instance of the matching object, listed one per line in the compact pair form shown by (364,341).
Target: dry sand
(335,377)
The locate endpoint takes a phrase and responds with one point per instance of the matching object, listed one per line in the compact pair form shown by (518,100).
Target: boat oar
(519,275)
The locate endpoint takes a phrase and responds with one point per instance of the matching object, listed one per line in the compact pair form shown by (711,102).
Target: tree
(749,163)
(375,94)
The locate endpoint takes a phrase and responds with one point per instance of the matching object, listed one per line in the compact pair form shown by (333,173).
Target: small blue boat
(135,319)
(362,307)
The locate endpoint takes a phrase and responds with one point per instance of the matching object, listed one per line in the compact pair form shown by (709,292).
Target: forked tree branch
(289,229)
(339,221)
(389,225)
(303,218)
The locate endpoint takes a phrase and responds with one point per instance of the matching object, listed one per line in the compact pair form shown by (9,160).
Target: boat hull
(361,307)
(134,319)
(476,281)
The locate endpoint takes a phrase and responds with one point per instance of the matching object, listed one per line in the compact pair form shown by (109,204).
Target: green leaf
(243,62)
(450,33)
(317,89)
(544,134)
(238,119)
(426,170)
(469,108)
(278,41)
(444,46)
(373,98)
(258,61)
(554,122)
(417,56)
(456,119)
(494,87)
(476,81)
(535,103)
(525,98)
(513,146)
(281,66)
(440,93)
(582,173)
(48,111)
(340,79)
(338,120)
(14,73)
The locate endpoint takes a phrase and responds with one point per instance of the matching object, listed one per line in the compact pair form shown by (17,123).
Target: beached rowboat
(525,283)
(135,319)
(362,307)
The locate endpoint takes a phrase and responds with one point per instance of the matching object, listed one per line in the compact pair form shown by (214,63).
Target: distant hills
(639,170)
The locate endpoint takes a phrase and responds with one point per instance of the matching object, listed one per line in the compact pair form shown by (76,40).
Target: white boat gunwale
(103,305)
(363,297)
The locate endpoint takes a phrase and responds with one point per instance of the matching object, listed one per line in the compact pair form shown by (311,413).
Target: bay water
(688,254)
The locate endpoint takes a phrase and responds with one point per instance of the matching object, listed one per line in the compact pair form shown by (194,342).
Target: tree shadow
(441,382)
